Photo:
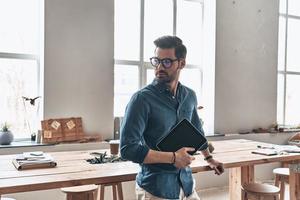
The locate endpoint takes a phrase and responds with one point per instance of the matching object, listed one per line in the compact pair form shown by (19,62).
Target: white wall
(246,64)
(79,62)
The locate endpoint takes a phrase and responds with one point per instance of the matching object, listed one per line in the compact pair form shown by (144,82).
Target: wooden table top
(72,168)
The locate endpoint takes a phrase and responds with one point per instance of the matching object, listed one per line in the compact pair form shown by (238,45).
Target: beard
(164,77)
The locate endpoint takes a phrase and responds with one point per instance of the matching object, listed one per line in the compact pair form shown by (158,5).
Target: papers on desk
(35,155)
(33,160)
(266,152)
(276,150)
(287,148)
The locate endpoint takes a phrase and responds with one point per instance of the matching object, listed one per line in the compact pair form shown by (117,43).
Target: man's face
(167,75)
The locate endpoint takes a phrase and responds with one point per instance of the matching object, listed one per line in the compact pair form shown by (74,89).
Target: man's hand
(183,158)
(216,165)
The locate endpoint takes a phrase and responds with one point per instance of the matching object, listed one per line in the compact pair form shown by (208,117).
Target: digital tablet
(184,134)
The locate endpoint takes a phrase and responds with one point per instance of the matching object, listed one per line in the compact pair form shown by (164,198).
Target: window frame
(39,58)
(144,65)
(209,17)
(285,72)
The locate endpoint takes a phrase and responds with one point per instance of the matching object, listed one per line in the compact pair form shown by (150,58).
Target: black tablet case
(184,134)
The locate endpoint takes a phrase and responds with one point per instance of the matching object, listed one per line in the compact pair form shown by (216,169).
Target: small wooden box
(62,130)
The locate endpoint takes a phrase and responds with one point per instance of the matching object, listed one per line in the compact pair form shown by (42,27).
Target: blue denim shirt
(151,113)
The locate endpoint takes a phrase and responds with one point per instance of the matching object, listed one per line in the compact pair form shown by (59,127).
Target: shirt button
(173,97)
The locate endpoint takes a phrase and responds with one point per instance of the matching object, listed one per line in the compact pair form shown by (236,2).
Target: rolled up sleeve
(132,145)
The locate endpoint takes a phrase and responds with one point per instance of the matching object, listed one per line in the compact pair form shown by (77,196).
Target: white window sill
(23,143)
(275,138)
(23,146)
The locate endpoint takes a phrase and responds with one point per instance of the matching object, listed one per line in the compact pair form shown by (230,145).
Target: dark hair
(169,42)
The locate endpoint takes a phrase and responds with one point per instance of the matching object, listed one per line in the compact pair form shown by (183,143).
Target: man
(150,115)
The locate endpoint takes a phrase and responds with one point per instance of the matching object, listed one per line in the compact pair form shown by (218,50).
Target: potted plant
(6,136)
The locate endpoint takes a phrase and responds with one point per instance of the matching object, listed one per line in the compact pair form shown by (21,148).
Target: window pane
(19,78)
(282,6)
(281,43)
(127,29)
(280,98)
(292,100)
(192,79)
(158,22)
(126,83)
(189,29)
(294,7)
(150,75)
(293,61)
(19,22)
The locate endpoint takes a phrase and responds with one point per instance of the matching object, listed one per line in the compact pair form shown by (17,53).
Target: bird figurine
(200,107)
(31,100)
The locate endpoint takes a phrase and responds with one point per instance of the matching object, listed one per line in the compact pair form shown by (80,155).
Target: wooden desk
(73,170)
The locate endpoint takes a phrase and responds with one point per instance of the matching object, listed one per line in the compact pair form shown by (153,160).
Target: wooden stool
(115,187)
(259,191)
(84,192)
(281,177)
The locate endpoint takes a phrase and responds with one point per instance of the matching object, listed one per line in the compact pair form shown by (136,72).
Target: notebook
(33,160)
(22,166)
(266,152)
(184,134)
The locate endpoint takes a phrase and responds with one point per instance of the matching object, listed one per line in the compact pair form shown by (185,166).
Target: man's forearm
(159,157)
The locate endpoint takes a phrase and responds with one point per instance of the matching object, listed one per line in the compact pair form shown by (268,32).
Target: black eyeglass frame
(162,62)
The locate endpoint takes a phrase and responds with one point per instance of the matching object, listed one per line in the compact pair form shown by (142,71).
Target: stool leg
(120,191)
(282,189)
(277,178)
(69,197)
(95,194)
(114,188)
(101,192)
(244,195)
(89,196)
(92,196)
(98,192)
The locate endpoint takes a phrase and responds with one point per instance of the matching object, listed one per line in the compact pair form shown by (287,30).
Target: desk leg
(237,177)
(294,181)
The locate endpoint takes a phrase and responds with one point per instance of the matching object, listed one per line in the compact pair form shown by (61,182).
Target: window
(288,95)
(137,26)
(21,64)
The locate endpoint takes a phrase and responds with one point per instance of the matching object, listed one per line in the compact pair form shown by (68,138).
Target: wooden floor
(223,193)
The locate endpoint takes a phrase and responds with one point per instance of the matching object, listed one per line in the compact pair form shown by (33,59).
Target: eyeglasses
(166,62)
